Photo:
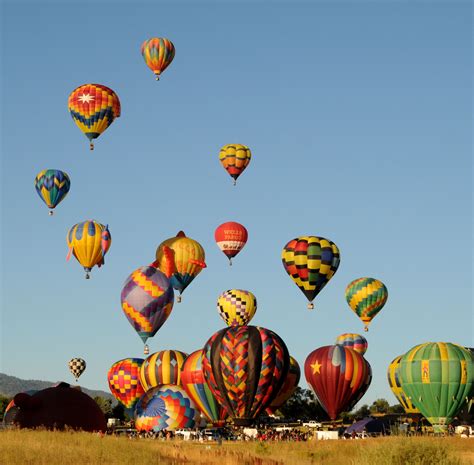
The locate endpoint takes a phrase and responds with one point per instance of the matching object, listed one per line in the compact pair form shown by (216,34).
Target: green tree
(362,412)
(105,405)
(380,406)
(397,408)
(303,404)
(118,412)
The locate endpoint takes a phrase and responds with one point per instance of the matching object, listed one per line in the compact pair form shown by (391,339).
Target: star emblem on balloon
(316,366)
(86,98)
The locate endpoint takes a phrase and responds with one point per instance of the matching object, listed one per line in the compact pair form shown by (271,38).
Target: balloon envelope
(93,108)
(52,186)
(193,382)
(165,407)
(158,54)
(124,381)
(311,262)
(245,367)
(366,297)
(393,377)
(236,307)
(77,367)
(338,376)
(235,158)
(438,377)
(163,367)
(353,341)
(231,238)
(147,300)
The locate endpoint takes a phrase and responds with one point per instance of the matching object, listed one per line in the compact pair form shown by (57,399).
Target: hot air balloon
(311,262)
(124,382)
(184,257)
(235,158)
(353,341)
(193,382)
(288,388)
(231,238)
(163,367)
(158,53)
(77,367)
(245,367)
(438,378)
(165,407)
(338,376)
(236,307)
(147,300)
(52,187)
(93,108)
(393,377)
(366,297)
(89,241)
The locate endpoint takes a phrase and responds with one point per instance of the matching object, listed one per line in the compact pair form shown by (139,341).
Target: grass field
(70,448)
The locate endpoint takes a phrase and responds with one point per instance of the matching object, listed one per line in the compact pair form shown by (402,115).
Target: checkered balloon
(77,367)
(236,307)
(165,407)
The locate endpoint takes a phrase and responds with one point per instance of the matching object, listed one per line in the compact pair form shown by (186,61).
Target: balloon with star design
(93,108)
(339,376)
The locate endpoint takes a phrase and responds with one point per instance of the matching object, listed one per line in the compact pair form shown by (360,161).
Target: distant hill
(10,385)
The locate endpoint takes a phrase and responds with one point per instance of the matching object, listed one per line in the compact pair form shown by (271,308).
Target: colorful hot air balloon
(93,108)
(338,376)
(89,241)
(163,367)
(235,158)
(165,407)
(245,367)
(124,381)
(187,257)
(393,377)
(236,307)
(366,297)
(77,367)
(147,300)
(158,53)
(193,382)
(353,341)
(231,238)
(52,186)
(288,388)
(438,378)
(311,262)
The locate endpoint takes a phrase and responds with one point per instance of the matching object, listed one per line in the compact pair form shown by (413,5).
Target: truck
(312,424)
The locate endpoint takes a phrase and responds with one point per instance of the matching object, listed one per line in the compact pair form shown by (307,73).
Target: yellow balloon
(236,307)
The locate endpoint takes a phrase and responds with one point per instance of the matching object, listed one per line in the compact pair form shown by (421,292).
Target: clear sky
(359,118)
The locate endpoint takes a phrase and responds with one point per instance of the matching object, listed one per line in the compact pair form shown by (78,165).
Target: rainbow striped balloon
(163,367)
(158,54)
(353,341)
(165,407)
(366,297)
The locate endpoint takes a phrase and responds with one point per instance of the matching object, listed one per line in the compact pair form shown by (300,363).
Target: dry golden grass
(69,448)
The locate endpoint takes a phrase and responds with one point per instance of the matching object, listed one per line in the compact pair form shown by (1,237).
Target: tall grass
(72,448)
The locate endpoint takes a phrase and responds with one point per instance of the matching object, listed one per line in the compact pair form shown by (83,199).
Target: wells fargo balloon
(245,367)
(438,377)
(77,367)
(89,241)
(338,376)
(52,186)
(353,341)
(235,158)
(366,297)
(236,307)
(93,108)
(288,388)
(183,257)
(124,381)
(165,407)
(158,53)
(193,382)
(147,300)
(163,367)
(231,238)
(393,377)
(311,262)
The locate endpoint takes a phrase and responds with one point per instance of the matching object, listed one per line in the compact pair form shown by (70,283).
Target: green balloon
(438,377)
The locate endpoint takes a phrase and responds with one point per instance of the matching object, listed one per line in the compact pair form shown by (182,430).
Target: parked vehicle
(312,424)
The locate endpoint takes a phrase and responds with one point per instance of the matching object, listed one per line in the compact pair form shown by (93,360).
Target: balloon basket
(310,306)
(88,276)
(230,261)
(91,146)
(178,299)
(366,329)
(146,350)
(51,213)
(235,182)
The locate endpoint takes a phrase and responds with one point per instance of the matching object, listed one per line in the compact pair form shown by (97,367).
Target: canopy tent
(371,425)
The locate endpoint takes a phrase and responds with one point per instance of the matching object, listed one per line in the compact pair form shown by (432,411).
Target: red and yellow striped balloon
(235,158)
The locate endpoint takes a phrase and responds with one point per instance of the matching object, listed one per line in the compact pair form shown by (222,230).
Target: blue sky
(359,118)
